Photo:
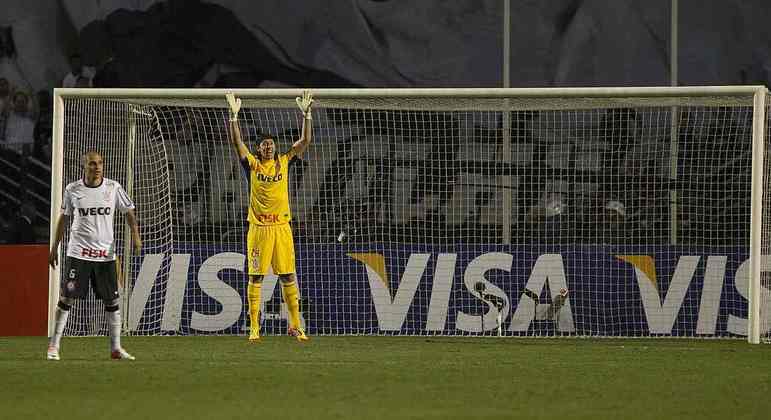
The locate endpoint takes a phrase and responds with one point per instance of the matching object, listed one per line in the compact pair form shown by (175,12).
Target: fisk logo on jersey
(267,218)
(95,211)
(93,253)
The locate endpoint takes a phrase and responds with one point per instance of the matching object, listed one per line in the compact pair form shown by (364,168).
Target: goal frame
(757,94)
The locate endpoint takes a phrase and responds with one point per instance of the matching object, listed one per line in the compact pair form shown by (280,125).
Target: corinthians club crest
(108,192)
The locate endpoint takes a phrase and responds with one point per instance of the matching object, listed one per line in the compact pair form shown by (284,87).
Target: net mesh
(421,216)
(765,248)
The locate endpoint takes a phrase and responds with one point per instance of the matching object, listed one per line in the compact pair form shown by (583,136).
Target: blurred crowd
(604,179)
(26,130)
(626,197)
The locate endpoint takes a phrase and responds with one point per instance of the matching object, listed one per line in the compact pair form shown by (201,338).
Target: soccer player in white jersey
(91,203)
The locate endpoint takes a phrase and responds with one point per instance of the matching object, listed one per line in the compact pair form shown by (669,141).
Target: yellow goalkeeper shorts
(270,246)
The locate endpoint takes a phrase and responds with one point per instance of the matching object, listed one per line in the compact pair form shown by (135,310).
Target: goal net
(619,212)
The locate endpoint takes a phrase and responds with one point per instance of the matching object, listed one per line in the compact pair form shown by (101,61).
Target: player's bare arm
(53,256)
(305,103)
(234,104)
(131,219)
(119,271)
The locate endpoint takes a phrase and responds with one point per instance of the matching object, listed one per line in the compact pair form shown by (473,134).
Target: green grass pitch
(386,378)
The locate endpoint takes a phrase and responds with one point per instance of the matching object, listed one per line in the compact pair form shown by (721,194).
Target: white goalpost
(459,212)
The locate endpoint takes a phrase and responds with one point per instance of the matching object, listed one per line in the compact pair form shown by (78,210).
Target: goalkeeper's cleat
(254,337)
(299,334)
(52,353)
(121,354)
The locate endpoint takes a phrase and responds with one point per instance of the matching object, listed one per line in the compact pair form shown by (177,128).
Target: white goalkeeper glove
(304,103)
(234,104)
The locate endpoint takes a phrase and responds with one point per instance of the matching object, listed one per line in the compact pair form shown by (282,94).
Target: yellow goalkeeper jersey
(269,191)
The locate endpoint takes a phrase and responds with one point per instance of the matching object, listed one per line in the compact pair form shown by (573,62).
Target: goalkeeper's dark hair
(260,137)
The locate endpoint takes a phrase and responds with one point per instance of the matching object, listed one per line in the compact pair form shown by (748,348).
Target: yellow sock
(253,294)
(292,299)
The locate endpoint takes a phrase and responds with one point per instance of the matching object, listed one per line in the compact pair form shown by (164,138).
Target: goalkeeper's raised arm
(305,103)
(235,130)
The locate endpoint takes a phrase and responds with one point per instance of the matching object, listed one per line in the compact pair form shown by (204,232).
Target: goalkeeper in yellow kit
(269,242)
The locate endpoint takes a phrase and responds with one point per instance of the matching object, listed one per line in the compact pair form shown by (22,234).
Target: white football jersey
(92,210)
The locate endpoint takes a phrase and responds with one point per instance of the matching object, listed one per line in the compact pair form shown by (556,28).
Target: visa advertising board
(470,289)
